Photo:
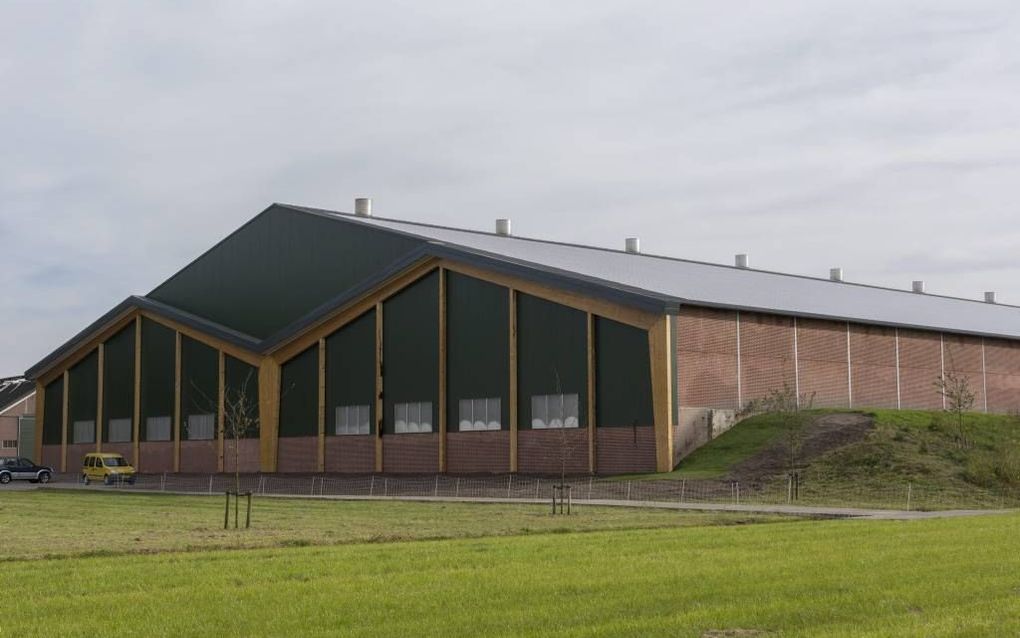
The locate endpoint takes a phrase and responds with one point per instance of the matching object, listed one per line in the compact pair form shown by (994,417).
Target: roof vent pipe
(503,227)
(836,274)
(918,286)
(363,207)
(740,261)
(633,245)
(990,296)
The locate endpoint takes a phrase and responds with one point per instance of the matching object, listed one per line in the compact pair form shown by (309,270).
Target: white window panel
(84,432)
(201,427)
(351,419)
(554,411)
(118,430)
(480,414)
(157,428)
(412,417)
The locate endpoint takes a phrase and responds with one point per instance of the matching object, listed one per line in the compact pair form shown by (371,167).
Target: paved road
(789,510)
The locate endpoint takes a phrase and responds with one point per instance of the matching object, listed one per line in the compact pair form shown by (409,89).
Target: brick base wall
(623,450)
(156,456)
(353,454)
(540,451)
(76,455)
(51,457)
(127,450)
(478,452)
(199,457)
(297,454)
(247,455)
(411,453)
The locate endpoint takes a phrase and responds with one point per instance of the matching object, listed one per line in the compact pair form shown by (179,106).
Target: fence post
(386,487)
(738,492)
(538,491)
(457,493)
(312,492)
(590,479)
(909,490)
(628,489)
(210,483)
(509,484)
(162,483)
(683,488)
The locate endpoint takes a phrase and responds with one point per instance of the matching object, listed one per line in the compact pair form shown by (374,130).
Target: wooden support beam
(378,387)
(63,424)
(221,408)
(40,420)
(320,462)
(662,391)
(513,379)
(591,393)
(237,352)
(56,368)
(269,413)
(100,366)
(177,401)
(442,370)
(136,413)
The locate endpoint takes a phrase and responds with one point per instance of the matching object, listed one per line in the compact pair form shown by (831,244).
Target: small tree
(788,405)
(959,399)
(240,418)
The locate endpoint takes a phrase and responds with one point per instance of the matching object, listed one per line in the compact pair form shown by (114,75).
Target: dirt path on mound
(824,433)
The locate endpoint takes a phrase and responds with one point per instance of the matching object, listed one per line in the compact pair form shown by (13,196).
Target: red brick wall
(297,454)
(873,366)
(51,456)
(199,457)
(920,366)
(540,451)
(156,456)
(964,357)
(353,454)
(706,344)
(1002,375)
(822,362)
(478,452)
(411,453)
(247,455)
(766,355)
(127,450)
(76,455)
(623,450)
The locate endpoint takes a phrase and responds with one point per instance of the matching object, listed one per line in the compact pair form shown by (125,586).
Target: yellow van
(106,467)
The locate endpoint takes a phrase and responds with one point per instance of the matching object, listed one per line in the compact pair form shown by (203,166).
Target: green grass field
(951,577)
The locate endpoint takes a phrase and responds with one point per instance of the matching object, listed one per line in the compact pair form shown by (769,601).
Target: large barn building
(376,345)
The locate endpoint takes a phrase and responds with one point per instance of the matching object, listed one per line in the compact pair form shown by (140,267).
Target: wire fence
(900,496)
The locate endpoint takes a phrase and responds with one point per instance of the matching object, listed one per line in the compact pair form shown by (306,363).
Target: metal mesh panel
(963,356)
(1002,365)
(873,366)
(707,358)
(822,361)
(920,367)
(766,355)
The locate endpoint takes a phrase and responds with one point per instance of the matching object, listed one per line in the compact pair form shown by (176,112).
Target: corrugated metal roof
(699,283)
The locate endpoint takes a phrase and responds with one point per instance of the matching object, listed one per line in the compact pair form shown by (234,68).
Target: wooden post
(40,420)
(378,387)
(100,365)
(177,401)
(320,462)
(662,391)
(136,420)
(63,425)
(221,405)
(269,412)
(442,370)
(591,393)
(513,380)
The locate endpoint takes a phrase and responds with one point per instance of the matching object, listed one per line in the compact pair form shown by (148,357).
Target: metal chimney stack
(836,274)
(990,296)
(633,245)
(363,207)
(740,261)
(918,286)
(503,227)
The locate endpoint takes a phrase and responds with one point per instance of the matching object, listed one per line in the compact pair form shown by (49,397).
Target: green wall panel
(83,388)
(350,368)
(241,382)
(299,394)
(157,372)
(552,346)
(119,377)
(477,344)
(411,348)
(623,376)
(297,260)
(200,381)
(53,415)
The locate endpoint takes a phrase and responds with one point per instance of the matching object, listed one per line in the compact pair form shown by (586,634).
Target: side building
(365,344)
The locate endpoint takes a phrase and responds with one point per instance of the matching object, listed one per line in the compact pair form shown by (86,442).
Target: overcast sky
(883,137)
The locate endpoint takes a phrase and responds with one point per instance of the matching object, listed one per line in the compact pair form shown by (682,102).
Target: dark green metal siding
(242,381)
(200,381)
(623,376)
(119,377)
(411,348)
(350,368)
(552,354)
(53,412)
(296,260)
(299,395)
(477,344)
(157,372)
(83,388)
